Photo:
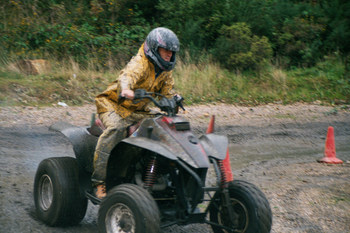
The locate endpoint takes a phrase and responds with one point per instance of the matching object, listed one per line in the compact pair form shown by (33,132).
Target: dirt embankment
(272,146)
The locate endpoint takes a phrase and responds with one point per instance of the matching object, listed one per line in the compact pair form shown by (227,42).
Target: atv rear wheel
(250,207)
(128,208)
(57,196)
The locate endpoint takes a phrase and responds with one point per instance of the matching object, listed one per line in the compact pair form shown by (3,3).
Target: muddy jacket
(138,74)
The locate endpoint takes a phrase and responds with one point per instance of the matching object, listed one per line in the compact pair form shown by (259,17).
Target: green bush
(299,41)
(237,48)
(81,30)
(300,33)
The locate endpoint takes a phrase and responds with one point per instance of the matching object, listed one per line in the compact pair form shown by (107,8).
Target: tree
(238,48)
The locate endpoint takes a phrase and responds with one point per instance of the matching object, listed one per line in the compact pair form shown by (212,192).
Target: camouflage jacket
(139,73)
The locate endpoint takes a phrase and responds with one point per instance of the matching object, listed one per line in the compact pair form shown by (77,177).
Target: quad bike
(155,178)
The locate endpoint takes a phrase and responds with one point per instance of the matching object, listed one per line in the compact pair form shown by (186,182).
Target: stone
(33,67)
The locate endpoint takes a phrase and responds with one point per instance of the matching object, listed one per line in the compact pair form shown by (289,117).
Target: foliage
(338,24)
(338,29)
(237,48)
(300,33)
(77,29)
(300,41)
(298,37)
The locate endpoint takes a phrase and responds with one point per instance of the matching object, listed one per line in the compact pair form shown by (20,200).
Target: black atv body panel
(156,134)
(83,142)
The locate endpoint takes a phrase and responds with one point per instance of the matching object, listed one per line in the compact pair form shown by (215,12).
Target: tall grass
(208,82)
(66,82)
(200,81)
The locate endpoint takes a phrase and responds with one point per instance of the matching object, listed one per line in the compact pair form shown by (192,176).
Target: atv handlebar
(164,104)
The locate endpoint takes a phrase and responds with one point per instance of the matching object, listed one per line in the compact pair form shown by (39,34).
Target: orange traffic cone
(329,152)
(211,125)
(226,161)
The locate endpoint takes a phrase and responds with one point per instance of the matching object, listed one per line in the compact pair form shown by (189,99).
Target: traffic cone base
(330,160)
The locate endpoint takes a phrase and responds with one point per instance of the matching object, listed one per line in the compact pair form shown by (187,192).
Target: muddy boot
(100,191)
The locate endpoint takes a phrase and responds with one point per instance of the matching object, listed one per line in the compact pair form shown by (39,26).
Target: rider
(150,69)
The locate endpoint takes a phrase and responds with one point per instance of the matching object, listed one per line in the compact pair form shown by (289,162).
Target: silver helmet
(164,38)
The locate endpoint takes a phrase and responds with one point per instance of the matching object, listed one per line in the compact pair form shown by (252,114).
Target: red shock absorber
(151,172)
(222,173)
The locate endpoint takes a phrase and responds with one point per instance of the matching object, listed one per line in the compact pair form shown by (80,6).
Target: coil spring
(223,173)
(151,172)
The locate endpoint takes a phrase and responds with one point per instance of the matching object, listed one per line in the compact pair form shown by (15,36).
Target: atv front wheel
(128,208)
(57,195)
(251,210)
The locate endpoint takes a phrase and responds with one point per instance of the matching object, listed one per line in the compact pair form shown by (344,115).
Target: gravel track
(272,146)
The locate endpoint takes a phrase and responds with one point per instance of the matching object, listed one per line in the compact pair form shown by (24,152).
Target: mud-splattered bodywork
(170,137)
(162,155)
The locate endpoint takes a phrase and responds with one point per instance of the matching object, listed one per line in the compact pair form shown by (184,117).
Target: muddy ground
(272,146)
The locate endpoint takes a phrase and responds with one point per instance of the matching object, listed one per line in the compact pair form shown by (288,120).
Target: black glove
(178,99)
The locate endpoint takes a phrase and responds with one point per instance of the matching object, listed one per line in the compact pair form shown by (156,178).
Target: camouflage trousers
(115,132)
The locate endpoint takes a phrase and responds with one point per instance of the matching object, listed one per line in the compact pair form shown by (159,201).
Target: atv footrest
(211,189)
(196,218)
(93,198)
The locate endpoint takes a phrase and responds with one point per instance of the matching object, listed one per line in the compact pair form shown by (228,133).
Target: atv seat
(97,128)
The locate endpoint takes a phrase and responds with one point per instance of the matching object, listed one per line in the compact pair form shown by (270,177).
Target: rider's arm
(167,86)
(131,74)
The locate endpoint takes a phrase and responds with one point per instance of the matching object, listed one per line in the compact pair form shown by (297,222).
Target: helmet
(164,38)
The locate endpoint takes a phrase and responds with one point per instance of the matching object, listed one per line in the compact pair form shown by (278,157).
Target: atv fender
(151,145)
(214,145)
(82,141)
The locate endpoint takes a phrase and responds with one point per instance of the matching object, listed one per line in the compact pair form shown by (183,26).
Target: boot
(100,191)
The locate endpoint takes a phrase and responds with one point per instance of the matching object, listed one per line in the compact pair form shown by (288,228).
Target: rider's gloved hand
(178,99)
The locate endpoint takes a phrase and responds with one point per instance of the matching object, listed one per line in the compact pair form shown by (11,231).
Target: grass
(67,83)
(207,82)
(202,82)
